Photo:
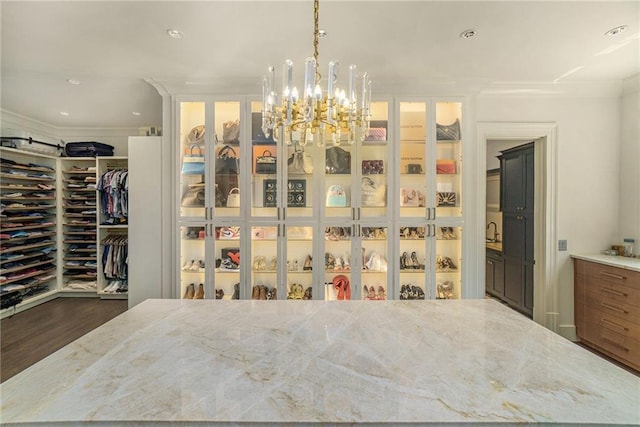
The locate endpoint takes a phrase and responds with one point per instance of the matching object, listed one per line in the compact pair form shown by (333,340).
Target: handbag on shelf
(338,161)
(446,199)
(226,164)
(371,167)
(373,194)
(193,164)
(231,132)
(193,198)
(448,132)
(266,164)
(336,197)
(445,166)
(300,162)
(411,197)
(196,135)
(220,198)
(233,199)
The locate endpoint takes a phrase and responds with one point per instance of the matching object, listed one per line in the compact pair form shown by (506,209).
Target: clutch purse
(446,167)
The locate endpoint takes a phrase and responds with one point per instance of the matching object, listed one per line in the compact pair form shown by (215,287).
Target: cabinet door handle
(490,262)
(614,292)
(615,276)
(615,344)
(614,308)
(614,324)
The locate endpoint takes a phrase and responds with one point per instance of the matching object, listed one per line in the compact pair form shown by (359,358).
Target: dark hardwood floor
(32,335)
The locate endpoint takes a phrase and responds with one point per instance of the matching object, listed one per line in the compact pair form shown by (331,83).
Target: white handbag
(233,200)
(373,194)
(411,197)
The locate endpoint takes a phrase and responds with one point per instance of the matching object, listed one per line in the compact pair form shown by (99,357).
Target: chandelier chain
(316,7)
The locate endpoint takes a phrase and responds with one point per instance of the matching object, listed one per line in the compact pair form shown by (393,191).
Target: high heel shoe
(189,292)
(345,263)
(308,293)
(403,263)
(273,265)
(414,260)
(381,295)
(236,291)
(219,293)
(200,292)
(187,265)
(308,266)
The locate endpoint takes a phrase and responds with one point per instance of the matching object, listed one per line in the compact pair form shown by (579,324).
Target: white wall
(630,161)
(117,137)
(587,161)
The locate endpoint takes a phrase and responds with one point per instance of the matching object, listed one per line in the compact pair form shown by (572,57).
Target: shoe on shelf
(345,263)
(236,291)
(255,292)
(308,265)
(200,292)
(195,266)
(308,294)
(273,265)
(382,294)
(187,265)
(219,293)
(365,293)
(189,292)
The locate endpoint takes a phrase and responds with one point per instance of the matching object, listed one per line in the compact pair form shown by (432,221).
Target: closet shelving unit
(28,218)
(112,230)
(79,226)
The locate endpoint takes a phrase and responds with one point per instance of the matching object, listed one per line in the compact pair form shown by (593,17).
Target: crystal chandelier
(316,116)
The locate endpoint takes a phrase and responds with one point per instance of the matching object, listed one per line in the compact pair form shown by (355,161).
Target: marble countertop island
(632,264)
(389,362)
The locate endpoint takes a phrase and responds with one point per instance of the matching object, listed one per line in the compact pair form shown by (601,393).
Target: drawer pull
(614,292)
(615,276)
(615,344)
(614,324)
(611,307)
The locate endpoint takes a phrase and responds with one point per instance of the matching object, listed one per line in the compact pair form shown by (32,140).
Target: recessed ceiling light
(322,33)
(617,30)
(467,34)
(135,113)
(176,34)
(64,113)
(73,81)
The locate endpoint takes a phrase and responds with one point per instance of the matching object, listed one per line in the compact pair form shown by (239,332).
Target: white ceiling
(114,48)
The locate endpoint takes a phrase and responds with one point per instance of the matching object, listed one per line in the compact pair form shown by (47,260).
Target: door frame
(544,134)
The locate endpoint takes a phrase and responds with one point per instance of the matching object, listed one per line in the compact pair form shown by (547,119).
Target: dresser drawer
(614,343)
(609,274)
(611,306)
(612,292)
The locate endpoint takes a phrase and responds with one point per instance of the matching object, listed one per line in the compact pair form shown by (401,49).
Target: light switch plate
(562,245)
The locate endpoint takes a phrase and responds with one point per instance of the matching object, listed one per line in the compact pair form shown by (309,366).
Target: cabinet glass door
(299,270)
(192,159)
(226,183)
(414,164)
(373,161)
(264,265)
(448,262)
(448,159)
(375,262)
(192,261)
(338,264)
(264,168)
(227,262)
(413,269)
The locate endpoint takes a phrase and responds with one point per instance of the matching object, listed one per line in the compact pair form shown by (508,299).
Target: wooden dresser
(607,306)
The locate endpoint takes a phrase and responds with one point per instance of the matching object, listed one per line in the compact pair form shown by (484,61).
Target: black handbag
(226,164)
(338,161)
(266,164)
(193,198)
(448,132)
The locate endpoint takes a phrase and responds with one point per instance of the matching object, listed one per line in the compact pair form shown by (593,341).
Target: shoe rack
(28,241)
(80,260)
